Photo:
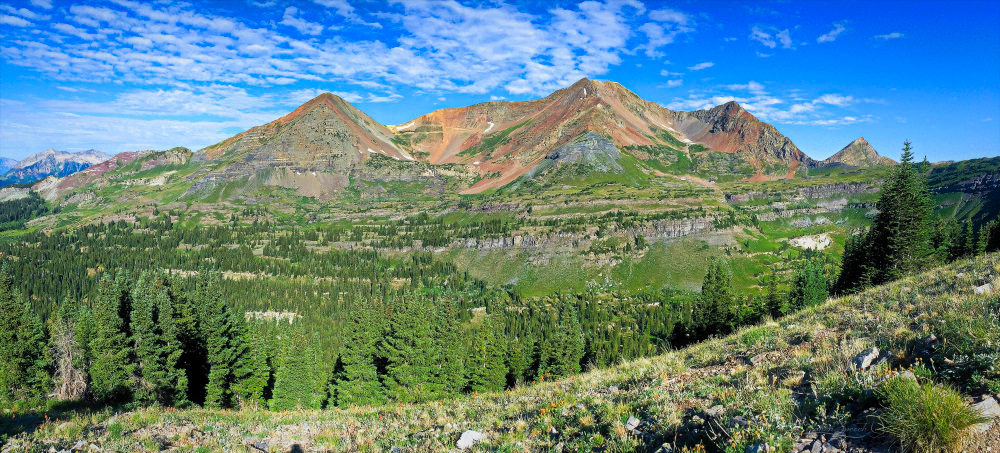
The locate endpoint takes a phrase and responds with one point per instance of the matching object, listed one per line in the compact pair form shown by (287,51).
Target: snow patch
(372,151)
(686,140)
(406,126)
(475,163)
(489,128)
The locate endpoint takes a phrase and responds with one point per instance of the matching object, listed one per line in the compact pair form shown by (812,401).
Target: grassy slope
(589,411)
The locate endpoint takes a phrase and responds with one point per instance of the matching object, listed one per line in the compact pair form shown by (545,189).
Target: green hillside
(776,382)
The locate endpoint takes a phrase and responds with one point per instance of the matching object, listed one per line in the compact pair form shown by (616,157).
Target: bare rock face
(51,163)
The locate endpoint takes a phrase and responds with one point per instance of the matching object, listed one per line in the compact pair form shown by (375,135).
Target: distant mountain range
(325,144)
(50,163)
(6,164)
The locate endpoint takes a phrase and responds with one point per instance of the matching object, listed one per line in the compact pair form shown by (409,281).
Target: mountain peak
(859,153)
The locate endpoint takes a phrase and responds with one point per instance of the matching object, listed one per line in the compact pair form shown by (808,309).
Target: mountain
(312,149)
(858,153)
(51,163)
(509,138)
(6,164)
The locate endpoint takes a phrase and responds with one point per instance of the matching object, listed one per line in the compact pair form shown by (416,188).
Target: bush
(926,418)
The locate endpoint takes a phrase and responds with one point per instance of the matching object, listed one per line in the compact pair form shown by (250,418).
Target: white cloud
(668,25)
(12,20)
(346,10)
(700,66)
(831,36)
(790,109)
(666,73)
(303,26)
(893,35)
(758,34)
(770,37)
(46,4)
(675,83)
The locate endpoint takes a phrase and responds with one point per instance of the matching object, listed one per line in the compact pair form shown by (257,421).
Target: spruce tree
(407,350)
(808,288)
(112,368)
(901,230)
(23,355)
(448,356)
(253,370)
(294,380)
(714,313)
(223,342)
(899,241)
(359,382)
(157,348)
(486,370)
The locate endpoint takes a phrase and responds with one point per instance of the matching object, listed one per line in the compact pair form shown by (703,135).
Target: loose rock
(985,289)
(468,439)
(864,360)
(632,423)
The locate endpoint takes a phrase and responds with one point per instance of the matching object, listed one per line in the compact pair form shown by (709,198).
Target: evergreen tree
(112,368)
(223,333)
(254,370)
(809,287)
(295,378)
(774,300)
(714,313)
(899,241)
(407,349)
(448,360)
(485,370)
(157,348)
(359,382)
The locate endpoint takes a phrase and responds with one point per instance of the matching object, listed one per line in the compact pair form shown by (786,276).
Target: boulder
(988,408)
(864,360)
(468,439)
(985,289)
(632,423)
(715,411)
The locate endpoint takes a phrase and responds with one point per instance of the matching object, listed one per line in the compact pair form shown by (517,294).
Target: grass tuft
(926,417)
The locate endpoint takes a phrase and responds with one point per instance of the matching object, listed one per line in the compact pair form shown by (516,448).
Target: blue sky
(128,75)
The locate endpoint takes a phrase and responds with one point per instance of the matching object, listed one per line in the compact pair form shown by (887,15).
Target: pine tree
(294,381)
(359,383)
(157,349)
(808,288)
(775,302)
(486,370)
(223,334)
(714,313)
(407,346)
(899,241)
(253,370)
(448,361)
(112,368)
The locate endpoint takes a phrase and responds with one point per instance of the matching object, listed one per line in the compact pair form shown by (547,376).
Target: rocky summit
(858,153)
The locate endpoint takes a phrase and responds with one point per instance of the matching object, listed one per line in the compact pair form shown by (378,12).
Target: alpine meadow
(450,225)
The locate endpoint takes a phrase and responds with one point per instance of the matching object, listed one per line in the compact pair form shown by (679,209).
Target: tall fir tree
(112,368)
(254,370)
(809,288)
(899,241)
(407,350)
(18,357)
(359,383)
(157,348)
(486,371)
(223,332)
(714,313)
(448,361)
(295,378)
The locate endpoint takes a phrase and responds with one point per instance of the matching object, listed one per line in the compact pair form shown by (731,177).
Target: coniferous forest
(154,314)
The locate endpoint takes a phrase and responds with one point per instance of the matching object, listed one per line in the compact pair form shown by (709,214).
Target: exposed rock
(985,289)
(262,446)
(864,360)
(715,411)
(468,439)
(758,448)
(987,408)
(632,423)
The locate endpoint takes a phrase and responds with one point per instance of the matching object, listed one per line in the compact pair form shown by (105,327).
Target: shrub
(924,417)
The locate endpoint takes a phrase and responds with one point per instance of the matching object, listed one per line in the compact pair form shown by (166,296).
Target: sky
(129,75)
